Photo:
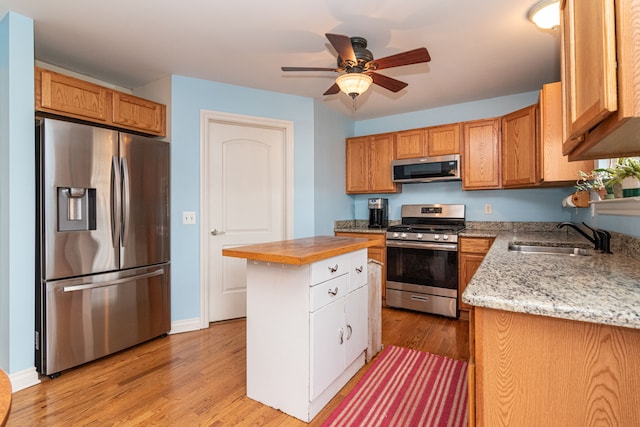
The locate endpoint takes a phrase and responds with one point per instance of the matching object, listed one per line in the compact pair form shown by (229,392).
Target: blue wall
(331,202)
(189,96)
(17,193)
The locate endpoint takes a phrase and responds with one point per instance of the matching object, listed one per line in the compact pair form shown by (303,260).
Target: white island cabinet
(307,321)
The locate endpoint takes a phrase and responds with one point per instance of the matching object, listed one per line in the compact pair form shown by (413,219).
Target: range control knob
(445,237)
(396,235)
(403,235)
(436,237)
(419,236)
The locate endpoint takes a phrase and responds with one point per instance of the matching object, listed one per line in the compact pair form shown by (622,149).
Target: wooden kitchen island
(307,320)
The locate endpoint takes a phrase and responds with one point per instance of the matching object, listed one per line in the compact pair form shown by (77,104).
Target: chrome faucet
(601,239)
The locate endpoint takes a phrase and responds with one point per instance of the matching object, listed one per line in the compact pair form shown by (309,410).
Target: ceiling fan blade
(414,56)
(342,45)
(308,69)
(388,83)
(332,90)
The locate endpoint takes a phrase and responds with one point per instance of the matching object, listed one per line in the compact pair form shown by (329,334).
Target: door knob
(215,232)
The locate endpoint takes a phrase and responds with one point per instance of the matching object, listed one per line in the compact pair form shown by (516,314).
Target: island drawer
(329,268)
(358,273)
(328,292)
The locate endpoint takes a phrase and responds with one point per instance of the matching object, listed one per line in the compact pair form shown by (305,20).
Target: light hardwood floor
(198,379)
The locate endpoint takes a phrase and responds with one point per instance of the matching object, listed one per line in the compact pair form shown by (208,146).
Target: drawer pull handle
(359,269)
(349,332)
(341,336)
(333,292)
(333,269)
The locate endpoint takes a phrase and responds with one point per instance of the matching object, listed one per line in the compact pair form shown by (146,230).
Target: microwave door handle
(116,201)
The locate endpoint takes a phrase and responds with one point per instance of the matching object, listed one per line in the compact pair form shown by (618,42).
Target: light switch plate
(488,208)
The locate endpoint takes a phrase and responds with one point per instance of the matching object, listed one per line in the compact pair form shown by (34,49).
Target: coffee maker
(378,213)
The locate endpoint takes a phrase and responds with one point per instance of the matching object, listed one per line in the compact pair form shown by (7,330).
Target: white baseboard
(23,379)
(186,325)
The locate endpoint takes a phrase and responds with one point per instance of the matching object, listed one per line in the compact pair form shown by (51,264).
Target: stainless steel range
(422,259)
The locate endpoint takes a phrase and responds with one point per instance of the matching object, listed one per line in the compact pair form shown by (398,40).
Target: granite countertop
(357,226)
(299,251)
(601,288)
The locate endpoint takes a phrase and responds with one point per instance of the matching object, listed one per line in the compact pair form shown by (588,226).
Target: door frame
(207,117)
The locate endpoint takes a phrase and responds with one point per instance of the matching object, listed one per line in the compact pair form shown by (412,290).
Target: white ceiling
(479,49)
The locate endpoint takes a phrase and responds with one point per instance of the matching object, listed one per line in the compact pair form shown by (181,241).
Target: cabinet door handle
(333,292)
(359,269)
(349,332)
(341,336)
(333,269)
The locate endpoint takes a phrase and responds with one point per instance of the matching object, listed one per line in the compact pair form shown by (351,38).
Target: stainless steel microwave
(427,169)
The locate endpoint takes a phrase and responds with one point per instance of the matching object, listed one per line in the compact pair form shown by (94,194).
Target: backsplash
(620,243)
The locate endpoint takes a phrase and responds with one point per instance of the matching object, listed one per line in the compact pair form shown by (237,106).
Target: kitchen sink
(548,250)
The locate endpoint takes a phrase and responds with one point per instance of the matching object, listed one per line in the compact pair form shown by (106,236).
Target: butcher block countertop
(299,251)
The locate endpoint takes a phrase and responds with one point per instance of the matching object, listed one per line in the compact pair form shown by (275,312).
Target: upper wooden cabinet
(410,144)
(71,97)
(443,140)
(432,141)
(520,162)
(369,164)
(601,85)
(481,155)
(557,170)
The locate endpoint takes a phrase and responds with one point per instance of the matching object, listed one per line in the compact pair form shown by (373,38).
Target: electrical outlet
(188,217)
(488,208)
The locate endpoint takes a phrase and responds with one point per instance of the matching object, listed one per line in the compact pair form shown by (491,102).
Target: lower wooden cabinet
(471,252)
(377,252)
(530,370)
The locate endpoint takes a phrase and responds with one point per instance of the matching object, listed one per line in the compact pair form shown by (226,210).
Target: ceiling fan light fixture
(354,84)
(545,14)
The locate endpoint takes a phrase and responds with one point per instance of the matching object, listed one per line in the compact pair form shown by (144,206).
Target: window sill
(629,206)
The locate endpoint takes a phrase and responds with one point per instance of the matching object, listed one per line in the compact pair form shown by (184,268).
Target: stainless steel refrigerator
(102,274)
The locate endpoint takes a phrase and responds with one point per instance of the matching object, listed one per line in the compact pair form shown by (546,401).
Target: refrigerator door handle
(126,201)
(131,279)
(115,201)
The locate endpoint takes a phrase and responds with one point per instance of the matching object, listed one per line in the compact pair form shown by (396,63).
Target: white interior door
(248,192)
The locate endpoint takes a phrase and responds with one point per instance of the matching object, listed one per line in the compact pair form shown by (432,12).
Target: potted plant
(594,181)
(625,172)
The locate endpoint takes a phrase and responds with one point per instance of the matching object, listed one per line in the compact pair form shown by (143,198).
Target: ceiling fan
(360,67)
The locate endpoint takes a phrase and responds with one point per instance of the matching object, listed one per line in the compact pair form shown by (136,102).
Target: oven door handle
(432,246)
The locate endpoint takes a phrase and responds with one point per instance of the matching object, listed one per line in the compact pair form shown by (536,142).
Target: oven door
(423,267)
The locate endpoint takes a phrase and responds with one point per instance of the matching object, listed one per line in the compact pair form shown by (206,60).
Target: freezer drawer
(90,317)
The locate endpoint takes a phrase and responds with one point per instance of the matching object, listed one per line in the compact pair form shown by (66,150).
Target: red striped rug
(407,388)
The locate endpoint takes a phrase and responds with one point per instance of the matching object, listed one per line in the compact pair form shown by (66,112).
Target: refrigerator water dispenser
(76,209)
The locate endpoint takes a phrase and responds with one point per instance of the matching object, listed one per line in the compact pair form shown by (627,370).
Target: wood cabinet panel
(410,144)
(78,99)
(138,113)
(357,165)
(368,164)
(471,253)
(520,165)
(443,140)
(589,64)
(60,94)
(600,79)
(481,154)
(532,369)
(380,158)
(557,170)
